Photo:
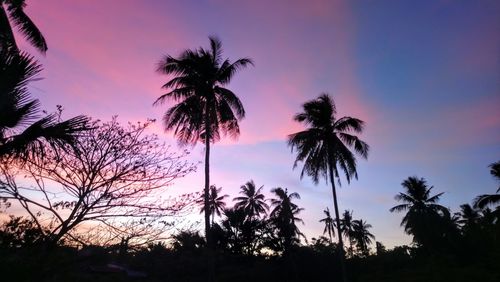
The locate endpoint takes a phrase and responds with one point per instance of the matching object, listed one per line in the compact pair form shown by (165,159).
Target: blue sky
(424,75)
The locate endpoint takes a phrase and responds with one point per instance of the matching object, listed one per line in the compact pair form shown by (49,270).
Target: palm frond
(228,69)
(346,124)
(27,27)
(483,201)
(57,134)
(399,208)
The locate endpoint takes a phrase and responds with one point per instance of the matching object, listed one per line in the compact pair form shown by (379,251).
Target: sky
(423,75)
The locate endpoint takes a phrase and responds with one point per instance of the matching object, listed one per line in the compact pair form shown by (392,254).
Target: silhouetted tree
(380,248)
(469,216)
(284,217)
(205,108)
(423,216)
(187,241)
(233,225)
(495,170)
(21,130)
(492,199)
(323,245)
(20,232)
(111,171)
(362,236)
(346,227)
(12,14)
(216,203)
(329,225)
(253,201)
(324,147)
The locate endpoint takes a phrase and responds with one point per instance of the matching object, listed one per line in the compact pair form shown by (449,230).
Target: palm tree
(329,225)
(346,227)
(253,201)
(187,240)
(284,215)
(362,236)
(469,216)
(325,148)
(14,10)
(380,248)
(422,210)
(483,201)
(21,130)
(205,108)
(216,204)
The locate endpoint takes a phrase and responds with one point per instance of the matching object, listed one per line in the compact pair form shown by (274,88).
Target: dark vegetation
(108,222)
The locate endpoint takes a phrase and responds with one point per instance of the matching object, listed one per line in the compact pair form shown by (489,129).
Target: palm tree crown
(346,223)
(216,203)
(206,107)
(252,201)
(362,235)
(14,10)
(483,201)
(346,227)
(422,208)
(329,224)
(327,141)
(469,216)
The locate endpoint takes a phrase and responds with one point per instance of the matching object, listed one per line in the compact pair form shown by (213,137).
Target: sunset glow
(423,75)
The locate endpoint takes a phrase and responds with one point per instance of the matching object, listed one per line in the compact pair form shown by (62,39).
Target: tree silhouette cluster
(354,231)
(252,226)
(436,230)
(113,177)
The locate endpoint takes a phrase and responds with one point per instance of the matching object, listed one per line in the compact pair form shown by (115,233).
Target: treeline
(97,209)
(260,239)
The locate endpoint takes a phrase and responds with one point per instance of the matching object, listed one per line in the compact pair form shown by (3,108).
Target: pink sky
(424,79)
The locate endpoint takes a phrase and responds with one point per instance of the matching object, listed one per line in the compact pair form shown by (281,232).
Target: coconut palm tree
(234,226)
(284,215)
(327,146)
(21,129)
(422,211)
(329,225)
(187,240)
(483,201)
(216,204)
(12,14)
(205,108)
(469,216)
(380,248)
(253,201)
(346,227)
(362,235)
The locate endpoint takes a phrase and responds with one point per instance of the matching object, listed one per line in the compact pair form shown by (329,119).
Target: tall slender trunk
(208,231)
(337,218)
(207,177)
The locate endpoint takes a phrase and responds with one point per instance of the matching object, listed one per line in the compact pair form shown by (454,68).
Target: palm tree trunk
(207,178)
(337,217)
(208,231)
